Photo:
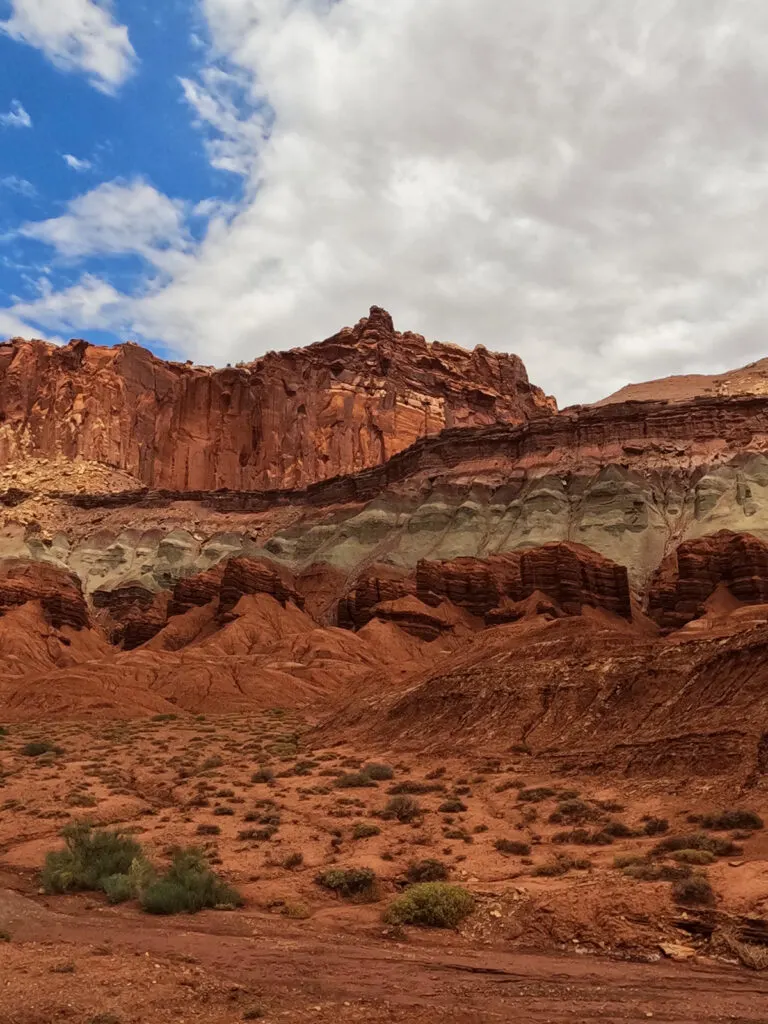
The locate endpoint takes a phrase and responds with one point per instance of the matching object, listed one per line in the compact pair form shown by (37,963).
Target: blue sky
(585,184)
(143,131)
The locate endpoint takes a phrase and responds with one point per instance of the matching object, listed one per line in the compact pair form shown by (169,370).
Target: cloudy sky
(583,182)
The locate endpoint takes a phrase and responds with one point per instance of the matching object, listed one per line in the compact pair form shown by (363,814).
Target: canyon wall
(286,420)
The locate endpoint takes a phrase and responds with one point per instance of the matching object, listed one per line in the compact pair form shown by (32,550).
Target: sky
(582,182)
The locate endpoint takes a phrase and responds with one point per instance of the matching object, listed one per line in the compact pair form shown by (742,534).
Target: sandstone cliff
(285,420)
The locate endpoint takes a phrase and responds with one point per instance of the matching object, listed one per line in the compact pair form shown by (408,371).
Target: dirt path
(211,965)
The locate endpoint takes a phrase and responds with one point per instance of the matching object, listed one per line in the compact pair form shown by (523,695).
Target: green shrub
(617,830)
(90,857)
(728,820)
(208,830)
(573,812)
(452,806)
(643,871)
(656,827)
(582,837)
(39,747)
(561,864)
(119,888)
(187,886)
(380,772)
(520,849)
(354,780)
(695,889)
(431,905)
(404,808)
(628,860)
(694,857)
(535,796)
(411,787)
(698,841)
(358,884)
(365,829)
(429,870)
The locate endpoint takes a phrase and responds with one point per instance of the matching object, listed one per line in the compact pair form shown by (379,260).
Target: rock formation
(691,574)
(58,592)
(286,420)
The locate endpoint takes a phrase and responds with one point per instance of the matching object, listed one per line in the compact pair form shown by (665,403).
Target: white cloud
(75,164)
(16,117)
(116,217)
(19,185)
(583,183)
(76,35)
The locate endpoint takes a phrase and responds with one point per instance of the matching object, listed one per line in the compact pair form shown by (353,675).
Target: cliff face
(286,420)
(687,578)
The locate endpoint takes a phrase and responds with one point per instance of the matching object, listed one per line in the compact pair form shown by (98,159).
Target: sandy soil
(582,945)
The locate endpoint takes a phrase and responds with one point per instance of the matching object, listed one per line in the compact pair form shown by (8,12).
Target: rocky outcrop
(564,578)
(58,592)
(379,584)
(256,576)
(285,420)
(691,574)
(132,615)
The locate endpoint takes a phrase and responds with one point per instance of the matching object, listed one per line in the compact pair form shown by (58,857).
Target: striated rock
(256,576)
(564,578)
(197,590)
(380,584)
(419,620)
(691,574)
(134,614)
(58,592)
(286,420)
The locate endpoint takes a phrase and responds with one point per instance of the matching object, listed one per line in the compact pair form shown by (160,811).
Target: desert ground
(580,913)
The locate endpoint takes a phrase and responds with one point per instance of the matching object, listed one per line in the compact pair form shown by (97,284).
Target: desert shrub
(727,820)
(187,886)
(753,956)
(265,775)
(512,846)
(452,806)
(354,780)
(695,889)
(583,837)
(628,860)
(509,784)
(647,872)
(379,772)
(223,812)
(39,747)
(561,864)
(429,870)
(656,827)
(89,857)
(697,841)
(365,829)
(293,860)
(536,795)
(411,787)
(617,830)
(611,806)
(694,857)
(573,812)
(208,830)
(358,884)
(404,808)
(119,888)
(431,905)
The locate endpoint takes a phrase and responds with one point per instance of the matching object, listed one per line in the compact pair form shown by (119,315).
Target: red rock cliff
(286,420)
